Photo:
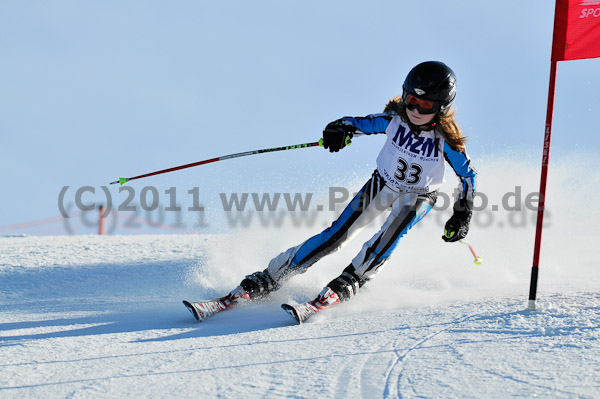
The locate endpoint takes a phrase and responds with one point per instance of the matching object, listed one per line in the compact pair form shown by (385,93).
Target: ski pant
(375,197)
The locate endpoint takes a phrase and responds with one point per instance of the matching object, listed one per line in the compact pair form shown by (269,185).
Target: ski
(204,309)
(302,312)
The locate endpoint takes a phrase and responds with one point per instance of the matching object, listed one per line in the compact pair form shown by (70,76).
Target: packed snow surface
(101,316)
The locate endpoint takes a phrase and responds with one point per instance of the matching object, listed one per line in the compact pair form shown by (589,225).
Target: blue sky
(90,91)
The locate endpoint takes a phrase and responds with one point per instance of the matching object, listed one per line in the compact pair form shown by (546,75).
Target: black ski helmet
(432,80)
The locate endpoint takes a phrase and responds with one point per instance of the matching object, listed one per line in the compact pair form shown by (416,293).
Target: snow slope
(101,316)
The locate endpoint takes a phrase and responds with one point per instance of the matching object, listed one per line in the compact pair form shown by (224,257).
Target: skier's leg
(407,211)
(369,202)
(374,197)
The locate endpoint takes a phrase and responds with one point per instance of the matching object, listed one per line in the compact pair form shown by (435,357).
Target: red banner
(576,30)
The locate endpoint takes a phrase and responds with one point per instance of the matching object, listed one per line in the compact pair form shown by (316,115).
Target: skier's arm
(339,133)
(461,164)
(370,124)
(457,226)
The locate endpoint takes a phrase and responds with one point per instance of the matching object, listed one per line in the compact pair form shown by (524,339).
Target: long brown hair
(445,125)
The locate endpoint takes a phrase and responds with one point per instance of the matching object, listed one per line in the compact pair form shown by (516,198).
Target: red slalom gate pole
(123,180)
(544,177)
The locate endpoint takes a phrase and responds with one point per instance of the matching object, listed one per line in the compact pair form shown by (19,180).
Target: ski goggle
(424,106)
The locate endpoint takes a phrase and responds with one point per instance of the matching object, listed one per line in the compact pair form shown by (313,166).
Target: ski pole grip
(348,141)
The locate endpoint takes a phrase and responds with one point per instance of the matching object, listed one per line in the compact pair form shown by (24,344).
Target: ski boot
(338,290)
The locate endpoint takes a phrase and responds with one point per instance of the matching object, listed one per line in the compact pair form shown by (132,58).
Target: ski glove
(337,135)
(457,226)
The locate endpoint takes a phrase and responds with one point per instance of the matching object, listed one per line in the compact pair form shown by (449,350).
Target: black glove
(457,226)
(337,135)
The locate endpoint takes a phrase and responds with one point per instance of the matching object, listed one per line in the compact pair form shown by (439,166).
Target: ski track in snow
(82,318)
(394,377)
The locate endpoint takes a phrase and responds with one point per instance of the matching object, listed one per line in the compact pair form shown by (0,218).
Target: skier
(421,132)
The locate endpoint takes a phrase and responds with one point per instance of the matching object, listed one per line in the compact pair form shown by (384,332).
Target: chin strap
(429,126)
(416,129)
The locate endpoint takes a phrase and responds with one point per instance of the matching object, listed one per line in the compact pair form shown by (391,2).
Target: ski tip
(292,312)
(192,310)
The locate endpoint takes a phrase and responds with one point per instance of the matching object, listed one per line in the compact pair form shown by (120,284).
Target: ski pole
(123,180)
(477,259)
